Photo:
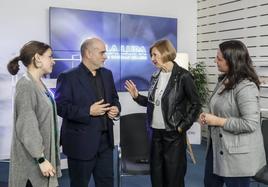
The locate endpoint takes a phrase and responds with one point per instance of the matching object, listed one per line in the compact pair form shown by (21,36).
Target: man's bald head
(89,44)
(93,53)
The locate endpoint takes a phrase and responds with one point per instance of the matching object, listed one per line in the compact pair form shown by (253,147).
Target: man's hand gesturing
(99,108)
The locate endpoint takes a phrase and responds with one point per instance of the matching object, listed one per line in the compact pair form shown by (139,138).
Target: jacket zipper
(175,106)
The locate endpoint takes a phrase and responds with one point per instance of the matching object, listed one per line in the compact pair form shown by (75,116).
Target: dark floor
(194,177)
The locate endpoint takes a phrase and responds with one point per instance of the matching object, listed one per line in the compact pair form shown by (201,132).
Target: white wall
(244,20)
(26,20)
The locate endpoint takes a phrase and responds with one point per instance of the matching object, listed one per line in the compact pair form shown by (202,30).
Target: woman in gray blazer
(235,143)
(34,159)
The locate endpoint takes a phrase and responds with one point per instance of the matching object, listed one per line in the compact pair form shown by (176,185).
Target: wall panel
(245,20)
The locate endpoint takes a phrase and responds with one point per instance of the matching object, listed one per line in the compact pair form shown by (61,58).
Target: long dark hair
(27,53)
(239,62)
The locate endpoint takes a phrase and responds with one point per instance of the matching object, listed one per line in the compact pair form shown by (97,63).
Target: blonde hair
(166,48)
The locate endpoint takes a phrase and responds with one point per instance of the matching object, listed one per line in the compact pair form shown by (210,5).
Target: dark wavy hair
(239,62)
(27,53)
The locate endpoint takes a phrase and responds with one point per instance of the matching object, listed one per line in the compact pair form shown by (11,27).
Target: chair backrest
(262,174)
(134,141)
(264,129)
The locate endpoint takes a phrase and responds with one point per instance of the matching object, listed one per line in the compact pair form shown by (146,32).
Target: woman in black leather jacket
(172,107)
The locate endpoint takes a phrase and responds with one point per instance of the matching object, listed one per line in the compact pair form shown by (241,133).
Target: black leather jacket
(180,100)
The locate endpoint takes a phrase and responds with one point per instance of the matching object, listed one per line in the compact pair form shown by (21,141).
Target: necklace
(157,100)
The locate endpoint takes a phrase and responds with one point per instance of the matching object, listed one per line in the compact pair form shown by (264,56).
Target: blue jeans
(212,180)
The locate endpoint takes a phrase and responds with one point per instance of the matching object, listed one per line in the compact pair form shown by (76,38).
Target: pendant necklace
(157,101)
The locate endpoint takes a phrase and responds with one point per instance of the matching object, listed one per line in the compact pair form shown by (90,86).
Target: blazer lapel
(172,80)
(38,89)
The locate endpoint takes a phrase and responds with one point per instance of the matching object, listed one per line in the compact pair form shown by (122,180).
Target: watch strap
(40,160)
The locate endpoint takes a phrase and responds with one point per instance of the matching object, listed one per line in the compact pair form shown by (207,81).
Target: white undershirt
(158,120)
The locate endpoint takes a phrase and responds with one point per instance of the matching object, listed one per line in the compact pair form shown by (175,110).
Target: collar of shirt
(89,72)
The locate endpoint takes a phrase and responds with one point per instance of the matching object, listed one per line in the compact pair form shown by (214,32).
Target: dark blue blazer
(80,132)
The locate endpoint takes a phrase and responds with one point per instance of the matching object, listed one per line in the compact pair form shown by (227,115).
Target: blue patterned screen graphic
(127,37)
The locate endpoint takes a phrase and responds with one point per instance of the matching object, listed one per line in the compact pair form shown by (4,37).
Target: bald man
(88,102)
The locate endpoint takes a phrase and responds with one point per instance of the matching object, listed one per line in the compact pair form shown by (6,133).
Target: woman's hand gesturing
(131,88)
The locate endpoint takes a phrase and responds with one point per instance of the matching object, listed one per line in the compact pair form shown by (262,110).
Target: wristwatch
(40,160)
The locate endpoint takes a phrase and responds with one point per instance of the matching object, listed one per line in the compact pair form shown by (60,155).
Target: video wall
(127,37)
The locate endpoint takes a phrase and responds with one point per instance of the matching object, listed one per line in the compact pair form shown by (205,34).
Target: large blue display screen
(127,37)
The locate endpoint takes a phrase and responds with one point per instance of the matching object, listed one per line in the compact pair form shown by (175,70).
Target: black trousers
(168,158)
(212,180)
(101,166)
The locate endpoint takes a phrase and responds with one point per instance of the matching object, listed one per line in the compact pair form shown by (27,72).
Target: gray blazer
(238,148)
(34,133)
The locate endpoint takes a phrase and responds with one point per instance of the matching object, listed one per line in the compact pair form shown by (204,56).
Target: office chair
(133,151)
(262,175)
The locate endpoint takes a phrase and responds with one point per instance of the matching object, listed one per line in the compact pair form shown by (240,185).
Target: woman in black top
(172,107)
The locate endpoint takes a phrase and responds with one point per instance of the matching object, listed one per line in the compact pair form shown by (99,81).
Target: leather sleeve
(141,100)
(194,105)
